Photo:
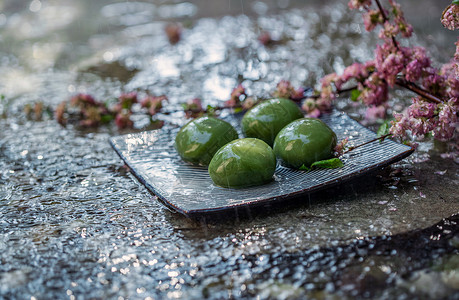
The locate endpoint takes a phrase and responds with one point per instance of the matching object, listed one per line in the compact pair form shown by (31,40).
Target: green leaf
(210,110)
(355,93)
(304,168)
(106,118)
(455,2)
(237,110)
(332,163)
(384,128)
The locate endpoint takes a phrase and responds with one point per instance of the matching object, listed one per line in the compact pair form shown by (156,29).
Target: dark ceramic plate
(188,189)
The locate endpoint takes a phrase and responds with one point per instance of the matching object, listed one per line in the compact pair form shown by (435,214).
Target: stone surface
(74,222)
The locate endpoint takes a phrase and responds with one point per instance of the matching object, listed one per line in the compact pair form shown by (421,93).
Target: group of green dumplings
(237,163)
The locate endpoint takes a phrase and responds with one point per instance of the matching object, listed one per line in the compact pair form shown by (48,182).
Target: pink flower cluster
(239,99)
(238,94)
(193,108)
(372,18)
(401,26)
(393,21)
(447,120)
(422,118)
(153,104)
(311,108)
(357,4)
(89,112)
(450,17)
(341,147)
(374,90)
(394,64)
(285,89)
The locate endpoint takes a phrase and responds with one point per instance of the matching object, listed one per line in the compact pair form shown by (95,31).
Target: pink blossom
(434,82)
(372,18)
(248,103)
(388,31)
(194,104)
(450,71)
(265,38)
(375,113)
(421,118)
(356,4)
(231,103)
(123,120)
(324,104)
(173,32)
(328,79)
(389,65)
(238,91)
(125,101)
(419,62)
(285,89)
(396,9)
(315,113)
(91,116)
(235,98)
(401,125)
(374,90)
(421,114)
(404,124)
(450,17)
(311,108)
(341,147)
(153,103)
(369,66)
(193,108)
(327,92)
(128,98)
(447,120)
(82,100)
(403,27)
(421,108)
(297,94)
(356,70)
(413,71)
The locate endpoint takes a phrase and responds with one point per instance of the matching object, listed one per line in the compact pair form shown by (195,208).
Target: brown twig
(373,140)
(418,90)
(337,92)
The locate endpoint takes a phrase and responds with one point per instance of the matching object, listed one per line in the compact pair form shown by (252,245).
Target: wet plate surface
(189,190)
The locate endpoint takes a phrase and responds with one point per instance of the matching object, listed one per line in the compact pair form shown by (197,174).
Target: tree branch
(366,143)
(386,19)
(418,90)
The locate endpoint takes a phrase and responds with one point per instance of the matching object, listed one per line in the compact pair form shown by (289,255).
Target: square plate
(188,189)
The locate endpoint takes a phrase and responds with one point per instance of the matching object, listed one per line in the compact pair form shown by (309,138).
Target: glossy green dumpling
(242,163)
(304,142)
(199,139)
(265,120)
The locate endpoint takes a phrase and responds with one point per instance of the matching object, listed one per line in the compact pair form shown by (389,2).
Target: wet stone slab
(75,222)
